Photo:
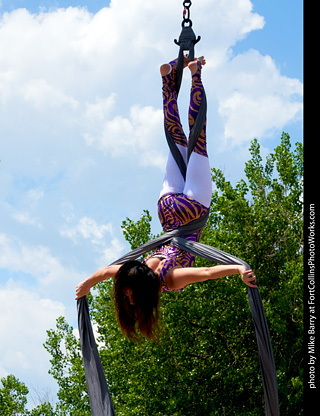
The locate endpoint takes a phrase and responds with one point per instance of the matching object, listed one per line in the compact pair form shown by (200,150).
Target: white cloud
(255,116)
(87,74)
(36,261)
(137,136)
(111,253)
(101,236)
(257,99)
(25,317)
(98,111)
(25,211)
(88,228)
(25,218)
(229,21)
(44,96)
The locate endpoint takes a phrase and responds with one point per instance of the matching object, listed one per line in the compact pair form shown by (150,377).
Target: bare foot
(166,68)
(193,65)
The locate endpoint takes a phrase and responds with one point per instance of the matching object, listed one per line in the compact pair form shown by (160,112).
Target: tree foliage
(206,360)
(13,400)
(12,396)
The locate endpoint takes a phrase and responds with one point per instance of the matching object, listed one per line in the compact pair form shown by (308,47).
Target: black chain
(186,14)
(187,40)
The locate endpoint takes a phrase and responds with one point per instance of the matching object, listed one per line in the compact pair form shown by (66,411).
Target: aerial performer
(183,208)
(138,285)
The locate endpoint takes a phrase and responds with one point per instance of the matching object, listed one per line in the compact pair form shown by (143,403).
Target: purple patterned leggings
(197,184)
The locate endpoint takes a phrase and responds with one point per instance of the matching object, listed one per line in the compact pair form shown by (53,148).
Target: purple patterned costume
(182,200)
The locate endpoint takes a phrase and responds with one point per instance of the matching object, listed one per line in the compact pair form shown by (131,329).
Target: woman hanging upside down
(137,285)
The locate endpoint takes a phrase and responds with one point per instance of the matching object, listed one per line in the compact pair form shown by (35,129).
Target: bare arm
(84,287)
(178,278)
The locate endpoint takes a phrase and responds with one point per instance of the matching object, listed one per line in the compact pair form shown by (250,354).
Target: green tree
(12,396)
(13,399)
(67,369)
(43,409)
(206,362)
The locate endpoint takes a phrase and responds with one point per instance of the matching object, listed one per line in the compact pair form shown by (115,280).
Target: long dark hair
(143,314)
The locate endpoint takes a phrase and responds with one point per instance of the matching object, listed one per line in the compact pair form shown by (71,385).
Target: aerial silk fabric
(101,404)
(100,400)
(98,391)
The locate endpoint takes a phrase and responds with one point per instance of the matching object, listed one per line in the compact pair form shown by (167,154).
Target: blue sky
(281,36)
(81,135)
(35,6)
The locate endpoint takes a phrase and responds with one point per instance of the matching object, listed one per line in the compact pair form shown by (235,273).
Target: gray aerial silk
(101,404)
(98,391)
(100,401)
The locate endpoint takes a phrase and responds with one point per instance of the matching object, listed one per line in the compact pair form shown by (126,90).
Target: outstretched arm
(178,278)
(84,287)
